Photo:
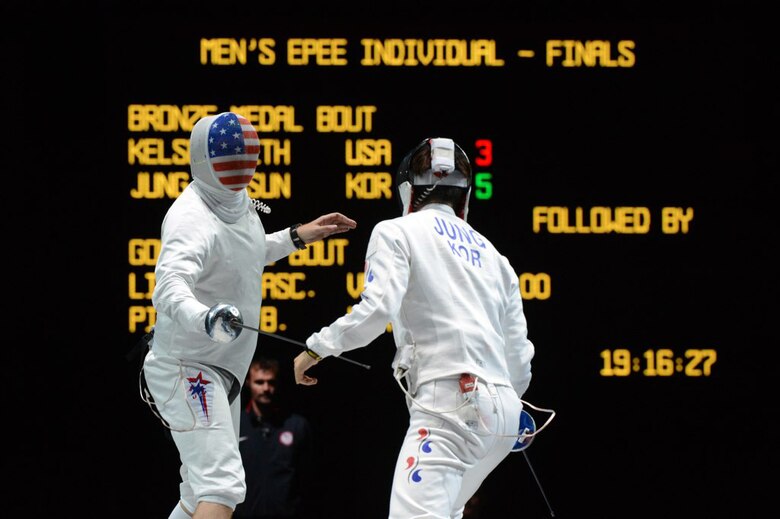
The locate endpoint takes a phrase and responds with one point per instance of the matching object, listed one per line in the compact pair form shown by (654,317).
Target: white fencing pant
(194,400)
(446,456)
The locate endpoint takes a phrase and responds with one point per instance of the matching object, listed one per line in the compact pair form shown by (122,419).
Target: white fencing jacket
(452,299)
(204,261)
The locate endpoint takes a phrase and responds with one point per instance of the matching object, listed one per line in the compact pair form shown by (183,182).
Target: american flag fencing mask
(226,156)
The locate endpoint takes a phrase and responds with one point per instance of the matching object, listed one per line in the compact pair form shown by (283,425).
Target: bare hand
(324,226)
(301,363)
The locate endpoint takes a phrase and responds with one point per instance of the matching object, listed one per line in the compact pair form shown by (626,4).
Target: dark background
(693,124)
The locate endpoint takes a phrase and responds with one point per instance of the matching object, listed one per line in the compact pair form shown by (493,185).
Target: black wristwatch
(297,241)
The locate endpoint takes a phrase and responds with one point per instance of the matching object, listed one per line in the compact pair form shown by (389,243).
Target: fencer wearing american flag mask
(213,251)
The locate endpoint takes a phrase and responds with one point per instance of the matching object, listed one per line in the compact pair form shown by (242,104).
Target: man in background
(276,447)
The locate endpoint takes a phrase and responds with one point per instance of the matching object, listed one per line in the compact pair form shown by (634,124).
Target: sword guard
(220,320)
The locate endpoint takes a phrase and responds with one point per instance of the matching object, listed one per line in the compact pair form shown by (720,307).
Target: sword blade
(297,343)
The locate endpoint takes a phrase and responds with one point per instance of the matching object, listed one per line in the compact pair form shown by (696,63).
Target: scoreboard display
(615,166)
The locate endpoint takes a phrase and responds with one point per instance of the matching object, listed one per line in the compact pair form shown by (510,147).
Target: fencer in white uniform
(213,252)
(463,353)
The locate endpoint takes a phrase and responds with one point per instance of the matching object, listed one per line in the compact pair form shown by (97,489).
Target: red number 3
(484,156)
